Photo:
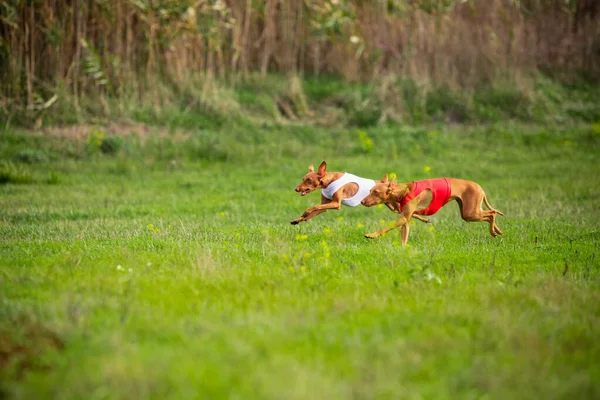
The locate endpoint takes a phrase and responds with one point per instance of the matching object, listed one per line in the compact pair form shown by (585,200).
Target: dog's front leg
(415,216)
(326,204)
(405,230)
(402,221)
(306,215)
(316,210)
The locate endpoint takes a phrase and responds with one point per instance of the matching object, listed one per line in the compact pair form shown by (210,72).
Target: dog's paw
(296,221)
(371,235)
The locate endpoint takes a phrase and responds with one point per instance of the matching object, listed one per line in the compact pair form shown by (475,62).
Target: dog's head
(312,180)
(380,193)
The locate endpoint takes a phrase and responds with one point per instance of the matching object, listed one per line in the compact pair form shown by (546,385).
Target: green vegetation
(422,58)
(141,262)
(148,155)
(332,102)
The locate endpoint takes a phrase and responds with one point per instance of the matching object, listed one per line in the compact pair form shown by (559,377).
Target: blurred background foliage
(364,62)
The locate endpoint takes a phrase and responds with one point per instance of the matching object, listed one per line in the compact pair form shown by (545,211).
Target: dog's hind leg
(495,227)
(471,211)
(485,200)
(425,220)
(492,222)
(498,231)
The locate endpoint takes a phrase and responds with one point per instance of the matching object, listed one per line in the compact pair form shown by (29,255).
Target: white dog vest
(364,188)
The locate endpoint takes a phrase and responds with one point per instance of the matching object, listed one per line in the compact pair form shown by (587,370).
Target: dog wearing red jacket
(426,198)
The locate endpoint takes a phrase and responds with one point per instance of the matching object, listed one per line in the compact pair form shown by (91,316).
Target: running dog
(337,188)
(426,198)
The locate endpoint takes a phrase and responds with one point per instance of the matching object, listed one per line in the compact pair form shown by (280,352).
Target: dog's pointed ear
(322,168)
(385,179)
(391,187)
(311,168)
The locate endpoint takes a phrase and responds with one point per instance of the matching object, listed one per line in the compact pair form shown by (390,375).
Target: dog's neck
(330,177)
(397,194)
(400,191)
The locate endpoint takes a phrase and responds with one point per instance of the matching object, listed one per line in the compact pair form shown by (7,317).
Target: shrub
(444,103)
(31,156)
(11,173)
(112,144)
(494,103)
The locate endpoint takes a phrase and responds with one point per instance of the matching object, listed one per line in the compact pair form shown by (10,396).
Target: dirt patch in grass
(121,128)
(125,128)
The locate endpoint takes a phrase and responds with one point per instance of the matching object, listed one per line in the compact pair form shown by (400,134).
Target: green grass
(167,267)
(326,101)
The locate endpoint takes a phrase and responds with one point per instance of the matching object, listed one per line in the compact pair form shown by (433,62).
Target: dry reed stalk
(472,42)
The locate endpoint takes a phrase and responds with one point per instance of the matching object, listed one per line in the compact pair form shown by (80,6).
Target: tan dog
(338,188)
(426,198)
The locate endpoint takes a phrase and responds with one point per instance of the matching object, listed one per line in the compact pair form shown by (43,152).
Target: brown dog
(426,198)
(338,188)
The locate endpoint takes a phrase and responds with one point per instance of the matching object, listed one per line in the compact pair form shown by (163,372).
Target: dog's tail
(485,200)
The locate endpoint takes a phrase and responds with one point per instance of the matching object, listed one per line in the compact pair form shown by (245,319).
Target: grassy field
(164,266)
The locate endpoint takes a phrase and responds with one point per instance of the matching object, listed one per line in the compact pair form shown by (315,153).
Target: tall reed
(110,47)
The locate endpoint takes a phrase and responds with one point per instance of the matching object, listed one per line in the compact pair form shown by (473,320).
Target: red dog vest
(440,192)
